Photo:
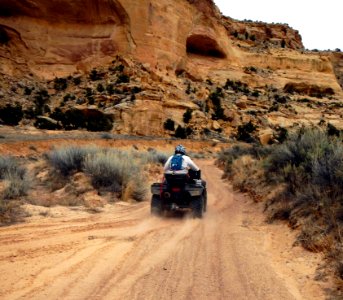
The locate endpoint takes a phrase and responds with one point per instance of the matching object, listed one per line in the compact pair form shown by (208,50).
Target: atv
(178,192)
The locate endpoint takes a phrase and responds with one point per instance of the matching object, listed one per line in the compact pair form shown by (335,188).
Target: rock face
(54,38)
(171,39)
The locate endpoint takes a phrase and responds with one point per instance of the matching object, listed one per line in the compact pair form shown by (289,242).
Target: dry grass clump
(309,168)
(14,184)
(69,159)
(153,156)
(118,172)
(111,170)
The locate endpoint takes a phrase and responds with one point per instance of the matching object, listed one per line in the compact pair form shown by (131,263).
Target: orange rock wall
(58,38)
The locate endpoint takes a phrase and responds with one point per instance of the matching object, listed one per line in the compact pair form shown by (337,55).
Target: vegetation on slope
(302,182)
(68,174)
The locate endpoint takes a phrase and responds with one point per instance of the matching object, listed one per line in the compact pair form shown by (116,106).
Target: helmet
(180,149)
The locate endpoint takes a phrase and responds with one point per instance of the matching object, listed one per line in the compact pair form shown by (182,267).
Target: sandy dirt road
(124,253)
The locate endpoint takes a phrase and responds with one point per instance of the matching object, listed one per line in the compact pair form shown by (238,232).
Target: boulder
(216,125)
(266,136)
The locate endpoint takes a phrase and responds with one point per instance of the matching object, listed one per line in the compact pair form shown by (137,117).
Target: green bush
(123,78)
(187,116)
(40,99)
(92,120)
(110,89)
(77,80)
(244,132)
(60,84)
(236,86)
(100,88)
(183,132)
(94,75)
(332,130)
(11,115)
(169,124)
(28,91)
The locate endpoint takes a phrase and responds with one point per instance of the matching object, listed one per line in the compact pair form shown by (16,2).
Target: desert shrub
(60,84)
(118,172)
(236,86)
(281,99)
(169,124)
(11,115)
(244,132)
(332,130)
(67,160)
(183,132)
(218,113)
(17,186)
(187,116)
(110,89)
(304,175)
(215,98)
(9,211)
(119,68)
(281,134)
(10,167)
(91,120)
(15,177)
(136,90)
(155,157)
(77,80)
(255,94)
(227,156)
(251,69)
(295,157)
(40,99)
(28,91)
(94,75)
(123,78)
(91,100)
(100,88)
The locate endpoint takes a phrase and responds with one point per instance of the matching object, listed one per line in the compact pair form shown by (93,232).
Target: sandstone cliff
(181,45)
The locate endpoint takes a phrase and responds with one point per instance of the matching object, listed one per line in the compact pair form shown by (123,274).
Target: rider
(185,162)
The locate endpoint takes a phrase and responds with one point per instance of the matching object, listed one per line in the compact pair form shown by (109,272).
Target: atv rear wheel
(156,206)
(197,206)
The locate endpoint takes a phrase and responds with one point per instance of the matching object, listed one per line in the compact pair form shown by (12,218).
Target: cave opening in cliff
(4,38)
(204,46)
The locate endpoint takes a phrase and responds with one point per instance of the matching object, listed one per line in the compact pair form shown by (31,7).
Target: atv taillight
(176,189)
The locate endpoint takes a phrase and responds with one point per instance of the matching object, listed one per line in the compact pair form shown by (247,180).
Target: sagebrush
(305,174)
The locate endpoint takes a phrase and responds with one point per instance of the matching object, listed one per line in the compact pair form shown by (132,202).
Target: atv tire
(156,206)
(197,206)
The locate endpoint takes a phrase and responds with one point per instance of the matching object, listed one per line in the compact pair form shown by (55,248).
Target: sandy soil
(124,253)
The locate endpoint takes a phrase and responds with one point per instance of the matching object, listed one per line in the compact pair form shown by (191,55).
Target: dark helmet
(180,149)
